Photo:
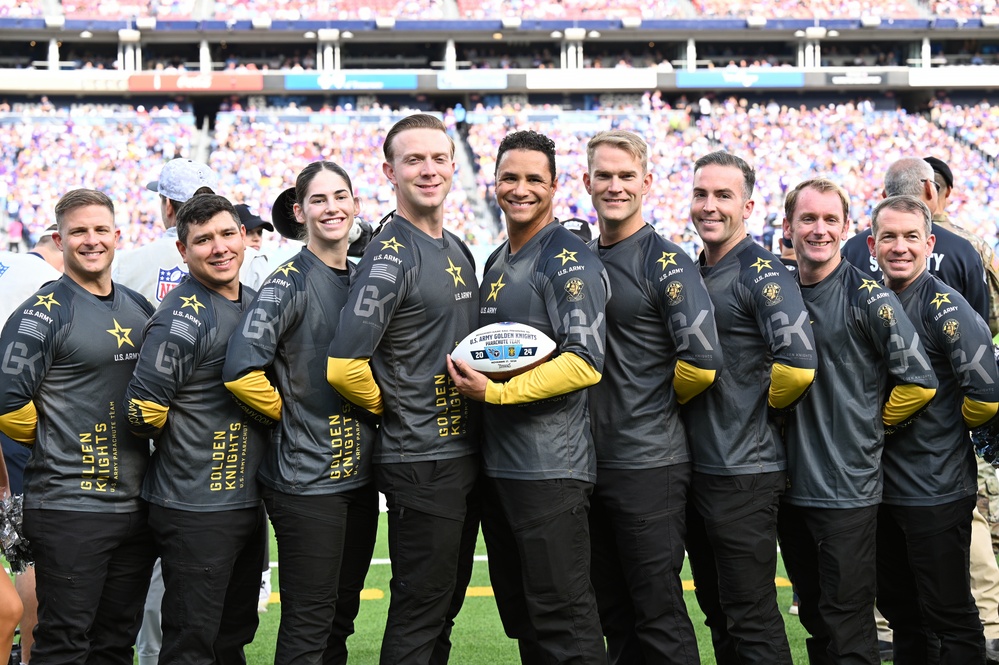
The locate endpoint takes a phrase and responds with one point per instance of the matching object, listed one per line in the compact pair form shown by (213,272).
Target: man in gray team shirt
(68,353)
(930,474)
(538,455)
(662,350)
(873,373)
(413,298)
(205,510)
(738,455)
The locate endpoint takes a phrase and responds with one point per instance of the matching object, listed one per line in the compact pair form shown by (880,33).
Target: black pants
(830,556)
(924,585)
(732,544)
(538,539)
(325,544)
(637,531)
(427,506)
(91,574)
(211,577)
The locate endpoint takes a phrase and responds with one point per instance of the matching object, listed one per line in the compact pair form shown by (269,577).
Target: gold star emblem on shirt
(455,272)
(940,299)
(287,268)
(567,256)
(869,284)
(392,244)
(494,289)
(121,334)
(667,259)
(761,264)
(47,301)
(191,302)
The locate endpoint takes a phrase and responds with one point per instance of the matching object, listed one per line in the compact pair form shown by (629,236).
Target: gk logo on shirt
(368,303)
(169,357)
(16,359)
(783,333)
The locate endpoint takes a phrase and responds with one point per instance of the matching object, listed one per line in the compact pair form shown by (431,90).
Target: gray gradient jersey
(412,300)
(932,461)
(866,346)
(954,260)
(73,355)
(761,320)
(208,452)
(319,446)
(659,312)
(557,285)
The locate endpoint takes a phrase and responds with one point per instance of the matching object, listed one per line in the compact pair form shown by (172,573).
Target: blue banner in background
(344,81)
(739,78)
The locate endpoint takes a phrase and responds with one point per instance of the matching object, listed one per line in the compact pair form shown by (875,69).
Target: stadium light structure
(868,21)
(631,22)
(56,22)
(756,21)
(384,22)
(261,22)
(989,20)
(145,22)
(511,22)
(575,34)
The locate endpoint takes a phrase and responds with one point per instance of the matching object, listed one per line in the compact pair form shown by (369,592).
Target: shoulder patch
(674,293)
(761,264)
(951,328)
(574,290)
(887,315)
(771,293)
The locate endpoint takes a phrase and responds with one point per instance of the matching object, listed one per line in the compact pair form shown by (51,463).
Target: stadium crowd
(257,154)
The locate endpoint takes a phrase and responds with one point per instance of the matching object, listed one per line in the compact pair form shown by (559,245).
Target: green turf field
(478,637)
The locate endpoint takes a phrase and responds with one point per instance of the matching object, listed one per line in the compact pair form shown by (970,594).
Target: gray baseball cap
(181,178)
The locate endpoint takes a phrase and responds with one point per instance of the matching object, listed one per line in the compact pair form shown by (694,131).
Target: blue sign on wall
(344,81)
(739,78)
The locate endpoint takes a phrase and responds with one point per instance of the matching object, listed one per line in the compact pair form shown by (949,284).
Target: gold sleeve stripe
(258,393)
(352,378)
(690,381)
(976,413)
(151,413)
(905,400)
(20,424)
(787,384)
(555,377)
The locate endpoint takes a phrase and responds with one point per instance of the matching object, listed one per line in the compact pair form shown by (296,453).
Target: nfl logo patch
(168,280)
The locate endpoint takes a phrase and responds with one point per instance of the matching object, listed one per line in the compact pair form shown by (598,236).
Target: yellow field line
(487,592)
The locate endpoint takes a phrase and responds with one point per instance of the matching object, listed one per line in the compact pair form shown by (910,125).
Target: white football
(502,350)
